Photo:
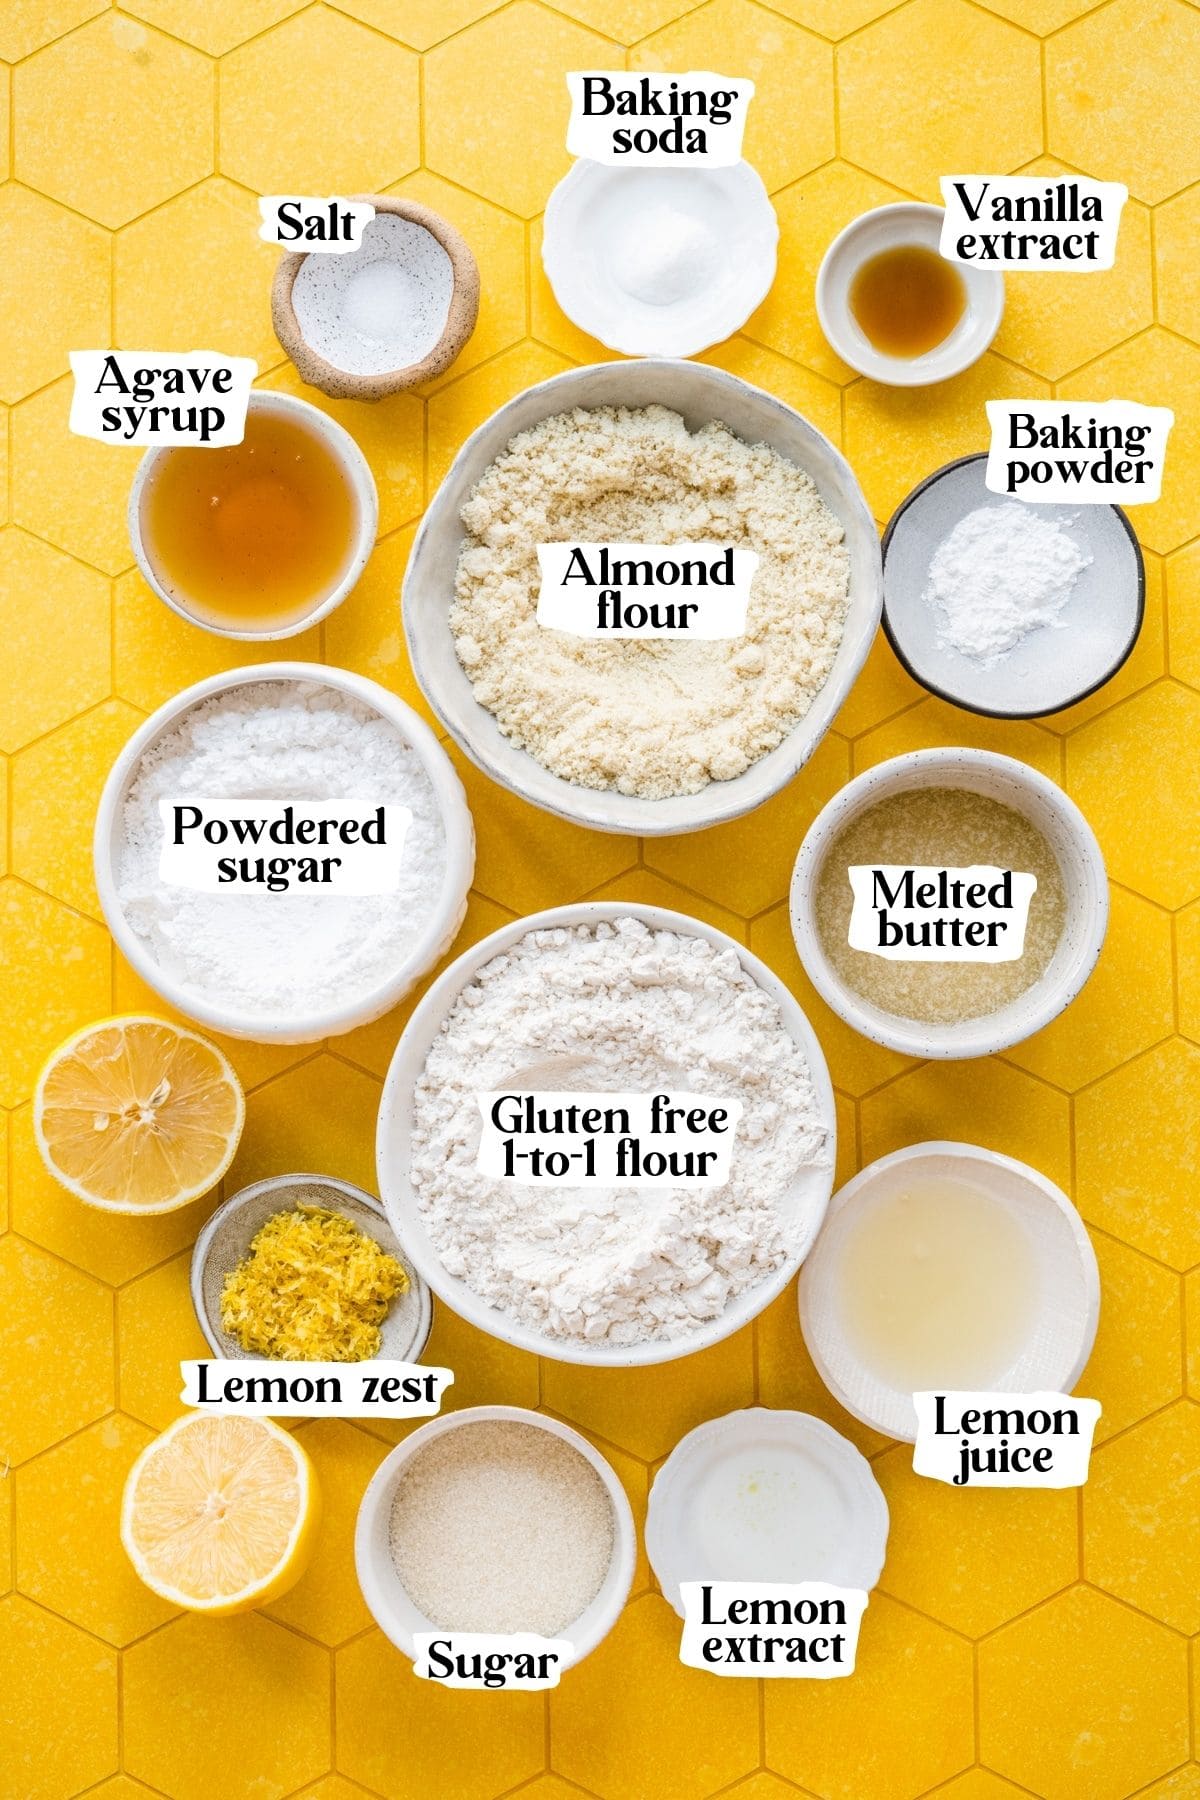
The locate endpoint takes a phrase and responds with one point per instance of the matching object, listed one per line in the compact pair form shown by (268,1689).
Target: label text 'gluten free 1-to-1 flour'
(657,119)
(991,1440)
(607,1140)
(315,1390)
(303,221)
(226,846)
(692,590)
(1031,221)
(1079,451)
(490,1660)
(913,913)
(156,399)
(803,1629)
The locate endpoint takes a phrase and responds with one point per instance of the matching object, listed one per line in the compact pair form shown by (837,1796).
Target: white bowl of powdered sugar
(283,944)
(606,1002)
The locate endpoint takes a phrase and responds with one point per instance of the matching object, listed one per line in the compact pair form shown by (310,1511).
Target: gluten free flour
(276,956)
(615,1008)
(645,716)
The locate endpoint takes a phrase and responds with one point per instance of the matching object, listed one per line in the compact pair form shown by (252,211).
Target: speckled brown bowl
(340,384)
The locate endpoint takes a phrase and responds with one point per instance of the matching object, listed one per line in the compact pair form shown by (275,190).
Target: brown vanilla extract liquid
(254,536)
(907,300)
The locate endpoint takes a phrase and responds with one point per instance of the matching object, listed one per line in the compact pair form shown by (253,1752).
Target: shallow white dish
(717,227)
(700,394)
(1085,887)
(1063,1329)
(445,919)
(808,1198)
(354,467)
(844,1530)
(386,1597)
(1053,666)
(885,228)
(225,1240)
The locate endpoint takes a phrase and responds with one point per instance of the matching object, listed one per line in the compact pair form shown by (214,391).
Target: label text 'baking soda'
(1031,222)
(1004,1440)
(344,846)
(315,1390)
(330,226)
(1082,452)
(696,590)
(913,913)
(658,120)
(607,1140)
(491,1660)
(803,1629)
(158,398)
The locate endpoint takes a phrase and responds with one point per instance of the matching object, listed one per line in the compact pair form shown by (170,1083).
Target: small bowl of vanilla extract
(261,539)
(897,310)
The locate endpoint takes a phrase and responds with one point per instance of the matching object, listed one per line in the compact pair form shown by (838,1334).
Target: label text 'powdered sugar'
(223,845)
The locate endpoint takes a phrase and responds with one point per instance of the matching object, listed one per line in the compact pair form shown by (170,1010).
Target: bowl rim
(927,1150)
(234,1203)
(659,1533)
(461,317)
(976,1036)
(897,371)
(377,1492)
(562,264)
(432,944)
(972,706)
(635,815)
(353,464)
(395,1111)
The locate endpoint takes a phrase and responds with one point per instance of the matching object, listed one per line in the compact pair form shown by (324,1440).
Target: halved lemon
(220,1513)
(136,1115)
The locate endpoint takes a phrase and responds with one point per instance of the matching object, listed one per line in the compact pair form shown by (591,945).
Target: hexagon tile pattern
(1018,1643)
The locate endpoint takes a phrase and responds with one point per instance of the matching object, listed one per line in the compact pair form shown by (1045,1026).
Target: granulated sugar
(615,1008)
(501,1526)
(645,716)
(277,955)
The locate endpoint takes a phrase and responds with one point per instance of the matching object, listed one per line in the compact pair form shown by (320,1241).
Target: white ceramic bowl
(808,1198)
(840,1535)
(225,1240)
(700,394)
(1063,1325)
(885,228)
(445,919)
(357,471)
(1013,784)
(386,1597)
(599,217)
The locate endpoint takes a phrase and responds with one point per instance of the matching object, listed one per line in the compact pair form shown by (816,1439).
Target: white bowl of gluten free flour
(1085,890)
(392,1607)
(299,1020)
(700,394)
(802,1204)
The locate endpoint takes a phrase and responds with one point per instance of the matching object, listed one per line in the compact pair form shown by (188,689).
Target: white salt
(381,307)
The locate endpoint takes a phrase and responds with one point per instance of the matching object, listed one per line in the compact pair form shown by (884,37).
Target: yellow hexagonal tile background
(1019,1643)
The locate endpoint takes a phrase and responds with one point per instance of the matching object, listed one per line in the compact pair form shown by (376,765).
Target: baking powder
(1001,573)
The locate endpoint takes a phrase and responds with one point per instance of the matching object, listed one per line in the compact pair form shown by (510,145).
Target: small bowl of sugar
(388,315)
(272,922)
(497,1520)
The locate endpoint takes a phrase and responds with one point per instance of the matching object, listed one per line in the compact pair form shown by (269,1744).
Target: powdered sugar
(280,955)
(615,1008)
(1002,572)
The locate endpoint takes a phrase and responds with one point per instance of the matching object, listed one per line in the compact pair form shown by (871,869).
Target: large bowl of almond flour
(643,736)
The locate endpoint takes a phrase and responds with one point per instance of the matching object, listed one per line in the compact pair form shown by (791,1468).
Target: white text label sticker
(659,120)
(913,913)
(150,398)
(1004,1440)
(1090,454)
(804,1629)
(696,591)
(224,846)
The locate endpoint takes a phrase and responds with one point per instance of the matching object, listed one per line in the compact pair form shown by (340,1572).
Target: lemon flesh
(136,1115)
(220,1513)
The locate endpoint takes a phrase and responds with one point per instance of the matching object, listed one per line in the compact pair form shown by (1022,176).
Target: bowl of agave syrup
(897,310)
(261,539)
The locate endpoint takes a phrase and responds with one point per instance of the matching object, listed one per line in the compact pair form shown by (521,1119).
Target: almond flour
(648,717)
